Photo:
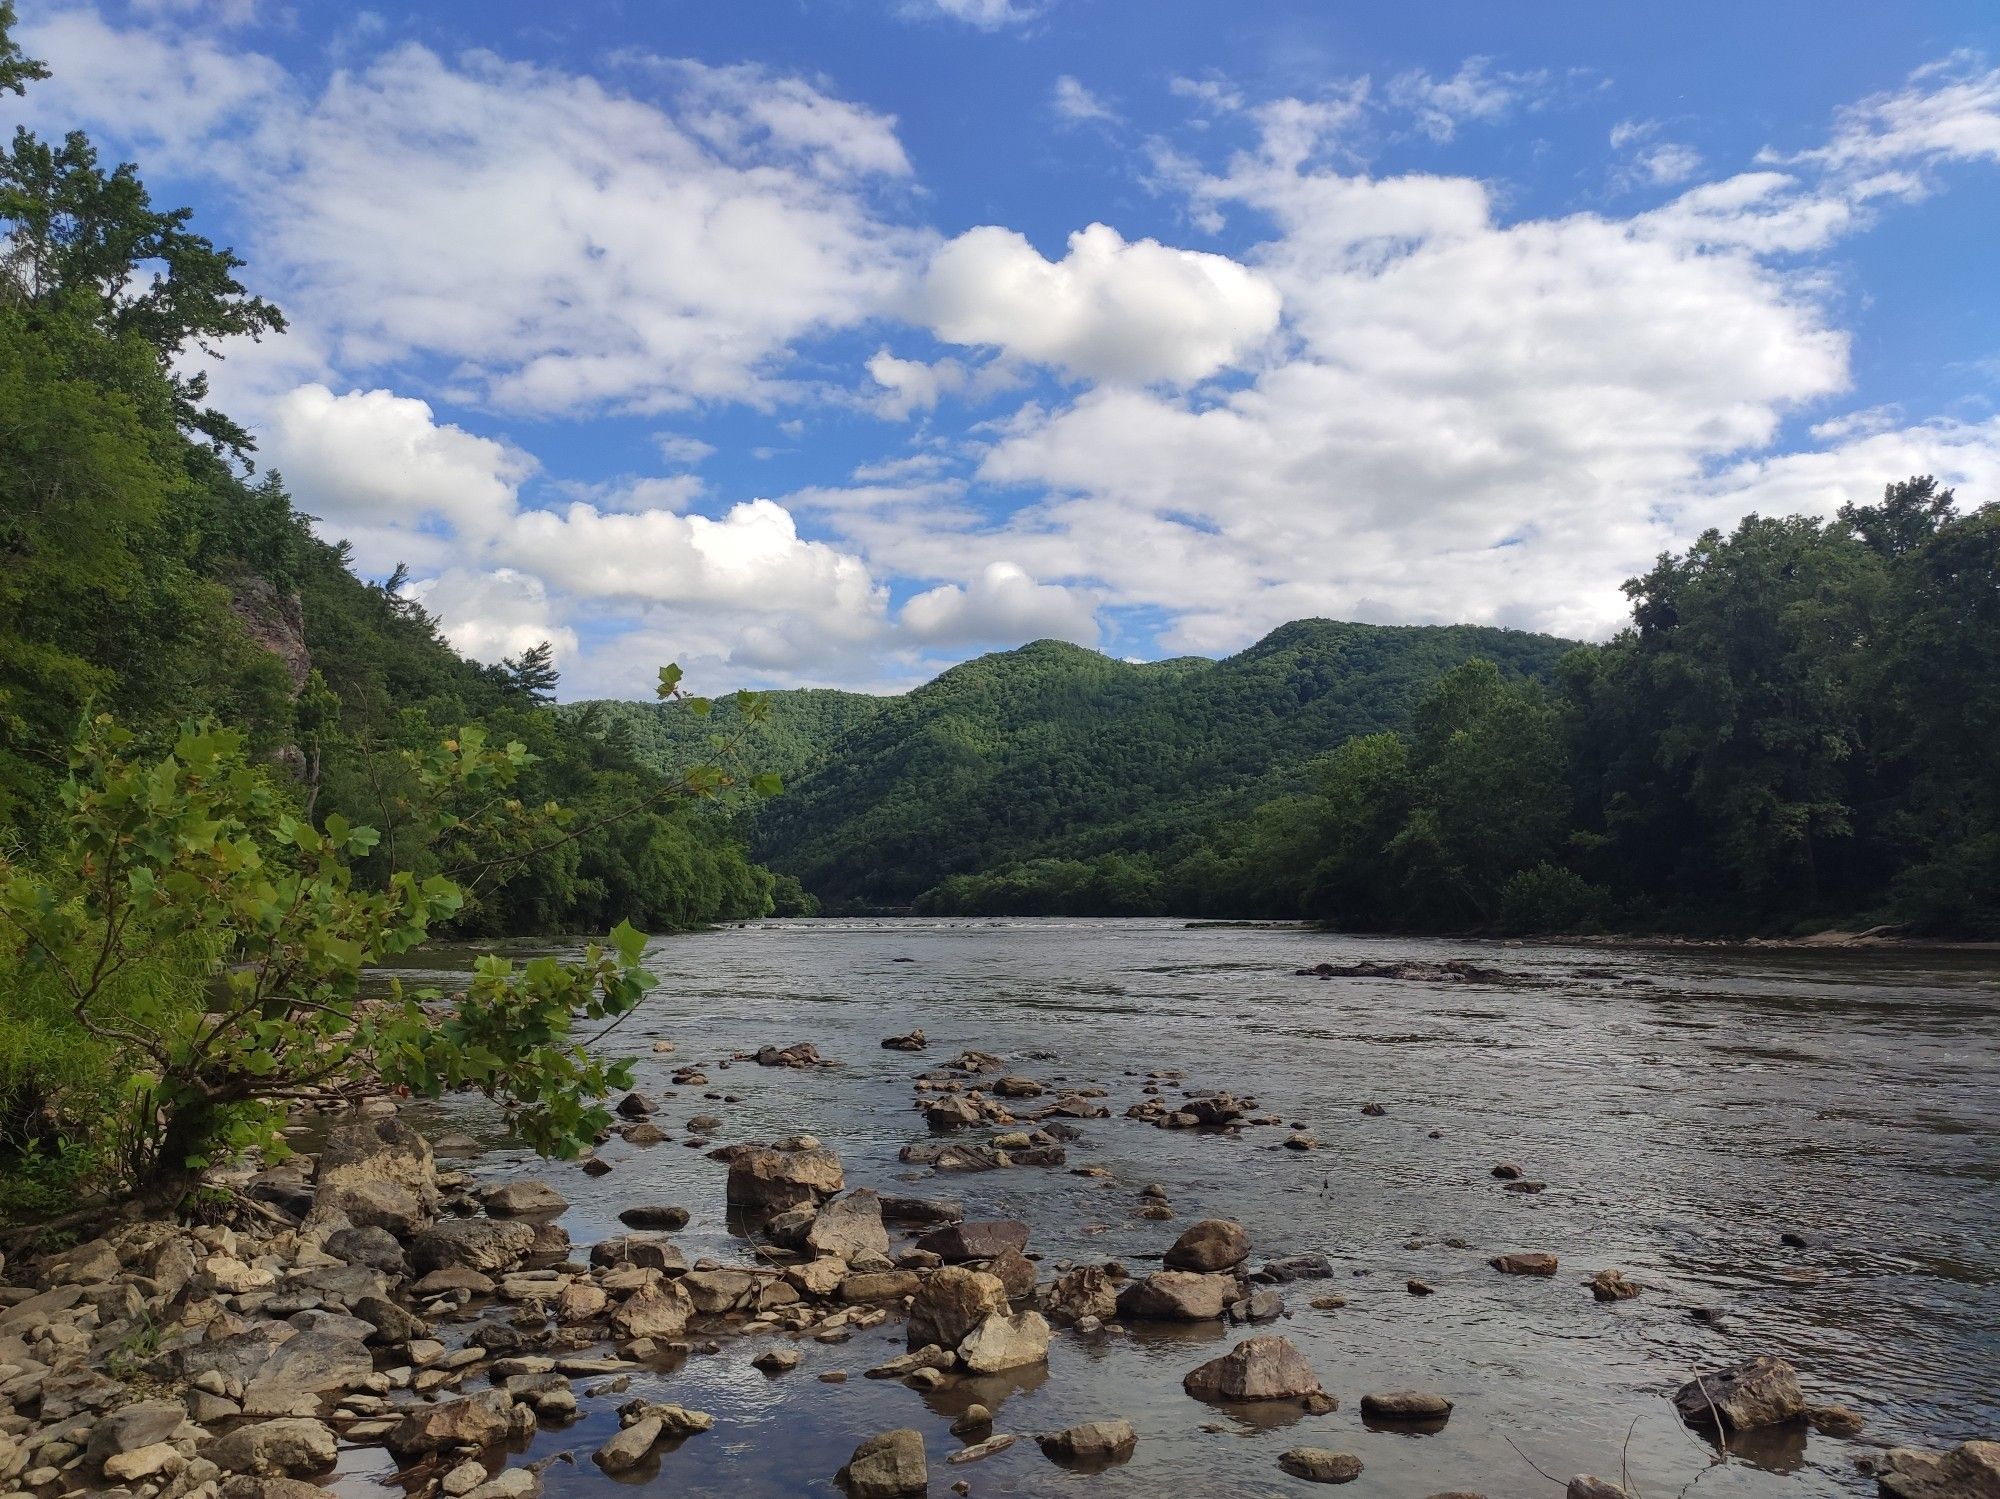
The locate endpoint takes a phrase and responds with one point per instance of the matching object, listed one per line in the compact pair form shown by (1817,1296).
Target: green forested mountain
(798,727)
(1057,752)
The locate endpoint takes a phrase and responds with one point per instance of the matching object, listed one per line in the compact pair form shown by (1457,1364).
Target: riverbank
(1050,1197)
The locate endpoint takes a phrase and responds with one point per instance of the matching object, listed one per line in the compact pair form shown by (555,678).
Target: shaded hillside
(802,723)
(1057,751)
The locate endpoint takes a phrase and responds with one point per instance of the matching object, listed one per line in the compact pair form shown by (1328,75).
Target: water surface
(1683,1125)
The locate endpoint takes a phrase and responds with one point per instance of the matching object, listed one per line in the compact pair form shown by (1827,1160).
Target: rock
(1611,1285)
(1302,1140)
(1177,1296)
(1419,1287)
(974,1418)
(953,1112)
(1015,1271)
(1524,1264)
(1258,1306)
(1968,1471)
(714,1292)
(1405,1405)
(887,1466)
(800,1054)
(1085,1291)
(983,1449)
(1507,1171)
(515,1483)
(648,1252)
(1837,1420)
(374,1247)
(310,1364)
(636,1105)
(463,1479)
(144,1462)
(388,1322)
(1093,1445)
(522,1199)
(1761,1391)
(657,1215)
(769,1180)
(1006,1342)
(1263,1368)
(654,1311)
(930,1356)
(883,1285)
(280,1448)
(980,1239)
(950,1304)
(470,1421)
(579,1303)
(912,1041)
(921,1210)
(849,1227)
(131,1427)
(1320,1465)
(1284,1271)
(642,1132)
(630,1447)
(704,1124)
(482,1244)
(1210,1245)
(376,1171)
(1584,1486)
(1526,1188)
(777,1360)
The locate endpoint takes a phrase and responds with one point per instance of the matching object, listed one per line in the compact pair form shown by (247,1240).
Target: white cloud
(987,15)
(628,253)
(677,447)
(1002,604)
(1948,111)
(1077,105)
(1474,93)
(492,615)
(1108,310)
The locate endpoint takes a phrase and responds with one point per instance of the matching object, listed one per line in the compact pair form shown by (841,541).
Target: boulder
(1760,1391)
(636,1105)
(1524,1264)
(887,1466)
(482,1244)
(388,1322)
(1095,1444)
(1015,1271)
(1178,1296)
(523,1199)
(1968,1471)
(655,1311)
(276,1448)
(1086,1291)
(849,1228)
(1405,1405)
(1006,1341)
(880,1285)
(374,1247)
(921,1210)
(370,1169)
(910,1041)
(950,1304)
(1320,1465)
(714,1292)
(630,1447)
(980,1239)
(1263,1368)
(312,1363)
(1611,1285)
(471,1421)
(777,1360)
(144,1462)
(766,1180)
(953,1112)
(1210,1245)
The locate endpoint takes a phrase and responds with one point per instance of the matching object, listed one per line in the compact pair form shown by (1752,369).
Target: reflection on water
(1682,1125)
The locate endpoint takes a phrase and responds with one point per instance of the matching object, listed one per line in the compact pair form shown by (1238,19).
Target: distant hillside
(803,724)
(1057,751)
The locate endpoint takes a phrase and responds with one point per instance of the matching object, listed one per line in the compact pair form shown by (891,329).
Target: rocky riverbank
(371,1295)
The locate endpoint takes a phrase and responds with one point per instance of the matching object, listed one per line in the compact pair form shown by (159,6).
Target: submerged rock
(1611,1285)
(1405,1405)
(1533,1263)
(1093,1445)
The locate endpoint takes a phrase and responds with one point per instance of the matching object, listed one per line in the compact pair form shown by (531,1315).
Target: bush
(1549,898)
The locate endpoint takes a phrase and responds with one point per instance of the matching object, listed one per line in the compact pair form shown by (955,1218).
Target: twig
(1624,1472)
(1532,1463)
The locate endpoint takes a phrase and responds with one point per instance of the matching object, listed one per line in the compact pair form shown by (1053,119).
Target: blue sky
(830,343)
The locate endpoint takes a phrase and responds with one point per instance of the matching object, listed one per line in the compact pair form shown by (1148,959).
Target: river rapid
(1687,1108)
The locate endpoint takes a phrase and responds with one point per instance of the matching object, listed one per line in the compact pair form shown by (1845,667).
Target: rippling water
(1682,1126)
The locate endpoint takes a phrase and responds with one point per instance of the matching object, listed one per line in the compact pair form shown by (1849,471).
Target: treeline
(1797,730)
(146,571)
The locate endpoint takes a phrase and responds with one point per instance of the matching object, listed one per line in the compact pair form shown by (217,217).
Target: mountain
(1055,751)
(792,741)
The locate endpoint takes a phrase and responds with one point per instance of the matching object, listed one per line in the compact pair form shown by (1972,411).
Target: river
(1686,1112)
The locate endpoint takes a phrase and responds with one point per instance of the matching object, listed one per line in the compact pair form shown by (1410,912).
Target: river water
(1682,1124)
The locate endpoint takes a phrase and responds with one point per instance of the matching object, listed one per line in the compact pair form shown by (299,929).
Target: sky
(830,342)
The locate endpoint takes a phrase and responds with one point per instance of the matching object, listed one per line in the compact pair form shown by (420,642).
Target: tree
(17,70)
(532,675)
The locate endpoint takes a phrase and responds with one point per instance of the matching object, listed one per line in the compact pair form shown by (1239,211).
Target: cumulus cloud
(493,615)
(1109,310)
(628,253)
(1002,604)
(1947,111)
